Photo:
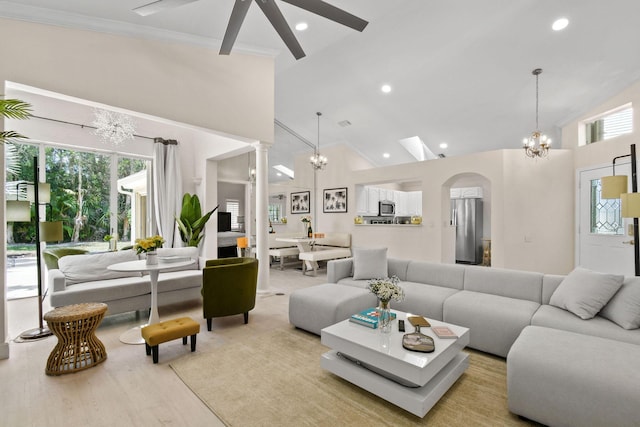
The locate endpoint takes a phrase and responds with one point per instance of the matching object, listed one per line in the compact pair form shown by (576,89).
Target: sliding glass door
(101,199)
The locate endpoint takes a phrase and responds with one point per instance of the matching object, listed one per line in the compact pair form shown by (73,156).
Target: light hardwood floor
(127,389)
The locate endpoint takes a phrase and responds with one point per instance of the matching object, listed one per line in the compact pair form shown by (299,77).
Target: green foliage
(13,109)
(191,222)
(64,169)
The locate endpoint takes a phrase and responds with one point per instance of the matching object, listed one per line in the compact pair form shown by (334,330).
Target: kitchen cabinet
(362,200)
(367,197)
(414,203)
(466,193)
(401,199)
(373,195)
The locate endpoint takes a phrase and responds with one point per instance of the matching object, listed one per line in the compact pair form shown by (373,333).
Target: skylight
(285,170)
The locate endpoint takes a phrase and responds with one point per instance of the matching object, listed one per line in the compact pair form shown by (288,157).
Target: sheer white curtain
(167,183)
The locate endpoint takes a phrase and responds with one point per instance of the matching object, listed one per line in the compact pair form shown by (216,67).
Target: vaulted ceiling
(459,70)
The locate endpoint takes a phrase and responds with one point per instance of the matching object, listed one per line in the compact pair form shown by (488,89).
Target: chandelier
(112,127)
(318,161)
(536,145)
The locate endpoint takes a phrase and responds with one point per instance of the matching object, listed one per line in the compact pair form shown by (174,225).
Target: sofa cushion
(446,275)
(102,290)
(425,300)
(495,321)
(190,252)
(624,307)
(92,267)
(175,280)
(370,263)
(584,292)
(523,285)
(557,318)
(398,267)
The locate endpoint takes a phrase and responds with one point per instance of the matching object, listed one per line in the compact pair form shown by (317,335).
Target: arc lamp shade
(613,186)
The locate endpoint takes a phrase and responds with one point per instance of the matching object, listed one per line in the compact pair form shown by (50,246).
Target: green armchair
(51,256)
(229,287)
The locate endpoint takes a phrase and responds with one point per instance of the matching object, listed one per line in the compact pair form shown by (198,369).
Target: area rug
(275,379)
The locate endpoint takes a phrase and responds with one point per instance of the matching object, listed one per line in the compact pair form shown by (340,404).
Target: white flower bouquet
(387,289)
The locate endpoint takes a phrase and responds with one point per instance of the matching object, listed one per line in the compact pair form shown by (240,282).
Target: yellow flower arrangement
(149,244)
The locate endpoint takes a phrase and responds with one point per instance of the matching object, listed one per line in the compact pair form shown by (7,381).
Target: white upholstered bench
(282,250)
(332,246)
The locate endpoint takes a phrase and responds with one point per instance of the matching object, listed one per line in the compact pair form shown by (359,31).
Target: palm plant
(191,222)
(13,109)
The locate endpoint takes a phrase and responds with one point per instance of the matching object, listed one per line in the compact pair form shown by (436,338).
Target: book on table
(443,332)
(368,317)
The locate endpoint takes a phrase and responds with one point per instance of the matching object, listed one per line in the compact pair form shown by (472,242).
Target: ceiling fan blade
(233,27)
(272,12)
(328,11)
(159,5)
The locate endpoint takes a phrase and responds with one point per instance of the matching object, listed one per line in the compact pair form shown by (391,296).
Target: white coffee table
(378,363)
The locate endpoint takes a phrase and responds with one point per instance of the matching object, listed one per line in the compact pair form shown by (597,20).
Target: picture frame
(334,200)
(301,202)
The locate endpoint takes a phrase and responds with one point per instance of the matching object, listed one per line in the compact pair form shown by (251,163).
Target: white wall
(603,152)
(530,200)
(232,94)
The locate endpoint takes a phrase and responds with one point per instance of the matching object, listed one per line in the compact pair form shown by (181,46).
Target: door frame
(577,212)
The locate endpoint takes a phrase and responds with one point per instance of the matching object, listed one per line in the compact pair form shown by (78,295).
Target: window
(93,194)
(606,217)
(609,126)
(233,207)
(276,208)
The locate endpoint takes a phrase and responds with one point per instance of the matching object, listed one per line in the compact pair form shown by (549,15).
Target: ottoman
(78,347)
(317,307)
(562,378)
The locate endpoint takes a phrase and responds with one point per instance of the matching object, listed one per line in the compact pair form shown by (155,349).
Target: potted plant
(191,222)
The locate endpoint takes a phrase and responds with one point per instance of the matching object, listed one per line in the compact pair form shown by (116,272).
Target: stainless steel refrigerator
(466,215)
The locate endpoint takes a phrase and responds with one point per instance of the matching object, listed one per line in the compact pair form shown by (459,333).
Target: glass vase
(384,317)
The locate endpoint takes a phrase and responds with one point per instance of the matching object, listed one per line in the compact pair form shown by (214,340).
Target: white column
(262,215)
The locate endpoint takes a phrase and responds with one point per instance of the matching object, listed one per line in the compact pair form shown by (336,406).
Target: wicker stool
(78,348)
(169,330)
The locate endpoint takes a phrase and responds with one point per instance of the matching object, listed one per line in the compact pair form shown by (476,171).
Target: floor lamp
(45,232)
(616,187)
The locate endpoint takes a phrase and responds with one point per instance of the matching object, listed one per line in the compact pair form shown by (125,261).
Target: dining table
(304,244)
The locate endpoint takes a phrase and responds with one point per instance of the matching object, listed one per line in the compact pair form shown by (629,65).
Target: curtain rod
(82,126)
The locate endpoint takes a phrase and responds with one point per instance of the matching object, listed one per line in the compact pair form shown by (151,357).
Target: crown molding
(15,11)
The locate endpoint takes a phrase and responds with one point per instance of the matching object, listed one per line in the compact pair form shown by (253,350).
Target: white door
(603,240)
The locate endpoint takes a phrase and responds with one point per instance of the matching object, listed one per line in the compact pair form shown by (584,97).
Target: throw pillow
(584,292)
(369,263)
(624,307)
(92,267)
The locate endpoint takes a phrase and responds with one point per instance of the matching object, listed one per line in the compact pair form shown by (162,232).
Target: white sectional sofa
(502,307)
(85,278)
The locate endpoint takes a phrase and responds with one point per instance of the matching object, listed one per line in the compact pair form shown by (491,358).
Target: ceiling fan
(272,12)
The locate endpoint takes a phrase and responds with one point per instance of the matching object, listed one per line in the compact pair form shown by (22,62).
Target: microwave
(386,208)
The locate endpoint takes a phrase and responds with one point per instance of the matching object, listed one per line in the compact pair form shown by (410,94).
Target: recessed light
(301,26)
(443,145)
(386,155)
(278,173)
(386,88)
(560,24)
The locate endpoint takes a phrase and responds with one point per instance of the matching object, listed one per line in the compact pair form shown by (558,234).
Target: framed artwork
(334,200)
(301,202)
